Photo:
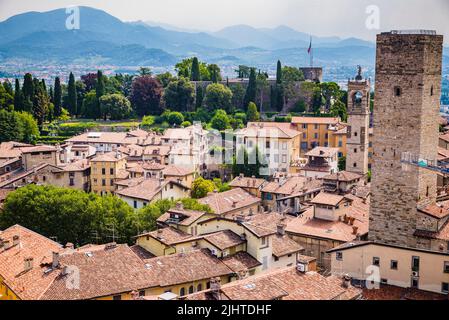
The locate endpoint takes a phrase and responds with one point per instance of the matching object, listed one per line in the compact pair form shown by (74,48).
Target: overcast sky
(344,18)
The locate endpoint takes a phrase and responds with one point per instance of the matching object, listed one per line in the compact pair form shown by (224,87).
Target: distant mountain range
(104,39)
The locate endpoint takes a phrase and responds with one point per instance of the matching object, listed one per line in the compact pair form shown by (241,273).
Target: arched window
(355,165)
(397,91)
(357,98)
(182,292)
(191,289)
(199,287)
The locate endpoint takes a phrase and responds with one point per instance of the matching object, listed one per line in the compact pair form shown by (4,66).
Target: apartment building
(278,145)
(106,169)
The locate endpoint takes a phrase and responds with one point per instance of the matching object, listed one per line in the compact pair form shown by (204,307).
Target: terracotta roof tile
(31,284)
(228,201)
(241,261)
(187,267)
(284,245)
(224,239)
(285,284)
(246,182)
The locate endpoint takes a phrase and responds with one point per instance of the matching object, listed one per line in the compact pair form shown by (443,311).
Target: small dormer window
(397,91)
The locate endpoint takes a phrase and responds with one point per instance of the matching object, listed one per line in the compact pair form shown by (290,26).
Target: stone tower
(357,142)
(407,101)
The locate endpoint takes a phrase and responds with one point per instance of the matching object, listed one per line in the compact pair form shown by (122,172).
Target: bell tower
(357,141)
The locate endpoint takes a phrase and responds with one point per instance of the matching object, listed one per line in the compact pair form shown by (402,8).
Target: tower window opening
(431,91)
(397,91)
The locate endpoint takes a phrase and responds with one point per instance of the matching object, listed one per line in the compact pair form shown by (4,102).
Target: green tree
(262,86)
(251,89)
(18,97)
(57,98)
(243,72)
(6,99)
(220,186)
(195,74)
(342,163)
(279,88)
(338,109)
(184,69)
(9,123)
(144,71)
(238,94)
(8,87)
(89,109)
(175,118)
(330,92)
(218,97)
(115,106)
(252,114)
(28,128)
(41,104)
(165,78)
(99,92)
(290,77)
(215,73)
(201,187)
(220,120)
(199,97)
(179,95)
(71,100)
(69,215)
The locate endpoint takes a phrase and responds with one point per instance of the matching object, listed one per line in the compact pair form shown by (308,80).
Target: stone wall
(408,87)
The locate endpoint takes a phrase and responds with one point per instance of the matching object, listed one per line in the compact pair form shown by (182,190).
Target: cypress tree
(44,86)
(57,98)
(199,97)
(279,92)
(195,74)
(8,87)
(99,90)
(18,97)
(71,102)
(250,95)
(28,88)
(279,73)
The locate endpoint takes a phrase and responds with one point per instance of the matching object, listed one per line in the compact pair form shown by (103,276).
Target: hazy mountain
(282,37)
(104,38)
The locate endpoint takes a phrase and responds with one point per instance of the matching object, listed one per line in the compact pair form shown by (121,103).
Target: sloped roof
(228,201)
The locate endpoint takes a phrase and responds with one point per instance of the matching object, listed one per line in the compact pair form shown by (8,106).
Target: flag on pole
(310,46)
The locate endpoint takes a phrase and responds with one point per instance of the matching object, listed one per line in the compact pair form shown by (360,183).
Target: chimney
(161,181)
(69,245)
(55,261)
(351,221)
(15,240)
(6,244)
(281,229)
(354,230)
(110,246)
(215,288)
(179,205)
(346,281)
(28,264)
(234,204)
(241,175)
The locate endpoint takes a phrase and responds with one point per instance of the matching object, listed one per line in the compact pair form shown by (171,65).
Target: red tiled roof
(228,201)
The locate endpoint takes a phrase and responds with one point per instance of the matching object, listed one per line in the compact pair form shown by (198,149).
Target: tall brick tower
(357,142)
(407,101)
